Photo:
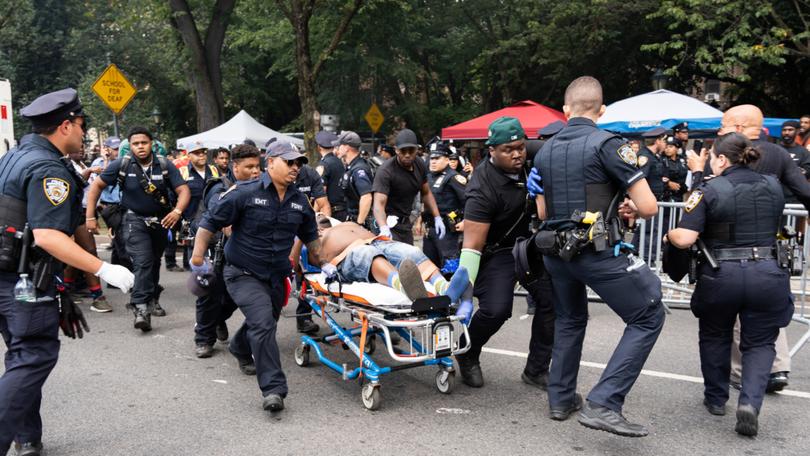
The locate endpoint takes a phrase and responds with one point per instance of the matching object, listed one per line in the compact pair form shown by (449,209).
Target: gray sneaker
(101,305)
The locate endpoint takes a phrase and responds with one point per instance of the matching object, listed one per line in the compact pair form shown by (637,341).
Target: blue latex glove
(329,270)
(385,231)
(465,311)
(438,225)
(534,183)
(203,269)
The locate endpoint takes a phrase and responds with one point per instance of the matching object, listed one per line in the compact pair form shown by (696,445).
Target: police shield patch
(56,190)
(628,155)
(319,169)
(642,161)
(461,179)
(693,201)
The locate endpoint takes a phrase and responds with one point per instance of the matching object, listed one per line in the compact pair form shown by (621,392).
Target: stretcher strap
(287,291)
(363,332)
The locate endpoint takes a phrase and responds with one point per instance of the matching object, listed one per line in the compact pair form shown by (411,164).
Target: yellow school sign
(114,89)
(374,118)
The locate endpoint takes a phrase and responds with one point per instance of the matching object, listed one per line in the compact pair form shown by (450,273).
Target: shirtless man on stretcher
(362,256)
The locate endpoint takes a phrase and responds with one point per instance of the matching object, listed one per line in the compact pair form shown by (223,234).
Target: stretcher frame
(418,329)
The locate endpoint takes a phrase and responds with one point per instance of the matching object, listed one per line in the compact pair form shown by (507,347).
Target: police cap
(551,129)
(656,132)
(673,141)
(406,138)
(285,151)
(439,150)
(325,139)
(504,130)
(683,126)
(200,284)
(348,138)
(53,108)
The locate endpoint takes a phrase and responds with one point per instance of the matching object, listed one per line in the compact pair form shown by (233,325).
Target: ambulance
(6,118)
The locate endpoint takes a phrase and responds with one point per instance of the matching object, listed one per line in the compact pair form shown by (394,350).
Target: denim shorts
(356,267)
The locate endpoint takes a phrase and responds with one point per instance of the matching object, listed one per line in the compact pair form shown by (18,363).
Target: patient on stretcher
(362,256)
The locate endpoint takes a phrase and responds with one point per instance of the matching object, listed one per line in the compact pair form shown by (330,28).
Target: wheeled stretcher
(430,332)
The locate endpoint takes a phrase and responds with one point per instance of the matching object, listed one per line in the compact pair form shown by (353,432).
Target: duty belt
(745,253)
(147,220)
(337,208)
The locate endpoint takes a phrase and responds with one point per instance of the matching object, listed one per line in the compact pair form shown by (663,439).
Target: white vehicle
(6,118)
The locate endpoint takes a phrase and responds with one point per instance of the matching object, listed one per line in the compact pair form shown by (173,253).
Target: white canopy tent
(235,131)
(660,108)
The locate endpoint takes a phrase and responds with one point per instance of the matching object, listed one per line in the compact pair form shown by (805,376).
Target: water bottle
(24,289)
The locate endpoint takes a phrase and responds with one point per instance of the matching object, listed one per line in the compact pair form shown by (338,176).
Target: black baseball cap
(285,151)
(406,138)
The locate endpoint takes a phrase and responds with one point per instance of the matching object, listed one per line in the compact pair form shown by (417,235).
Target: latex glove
(385,230)
(438,225)
(202,269)
(465,311)
(116,275)
(534,183)
(391,221)
(71,318)
(329,270)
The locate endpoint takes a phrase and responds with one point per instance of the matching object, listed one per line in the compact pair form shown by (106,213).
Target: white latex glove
(391,221)
(117,276)
(438,224)
(385,230)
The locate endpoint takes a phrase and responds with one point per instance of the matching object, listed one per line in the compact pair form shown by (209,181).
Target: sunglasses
(297,161)
(84,125)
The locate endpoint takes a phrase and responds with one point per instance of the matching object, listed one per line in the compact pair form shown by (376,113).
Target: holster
(42,271)
(547,242)
(10,247)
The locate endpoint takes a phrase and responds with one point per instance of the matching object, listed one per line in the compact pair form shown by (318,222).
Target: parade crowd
(556,214)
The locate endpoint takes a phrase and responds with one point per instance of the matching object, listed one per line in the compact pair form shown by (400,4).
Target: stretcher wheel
(445,381)
(371,396)
(302,355)
(371,345)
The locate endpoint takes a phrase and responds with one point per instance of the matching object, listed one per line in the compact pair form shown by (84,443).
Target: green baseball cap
(504,130)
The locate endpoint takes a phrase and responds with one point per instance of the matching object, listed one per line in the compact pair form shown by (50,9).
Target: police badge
(628,155)
(56,190)
(693,201)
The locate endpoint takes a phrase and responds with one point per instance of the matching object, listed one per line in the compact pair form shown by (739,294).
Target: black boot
(470,372)
(143,320)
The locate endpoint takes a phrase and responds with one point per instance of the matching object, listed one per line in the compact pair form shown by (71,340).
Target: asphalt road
(121,392)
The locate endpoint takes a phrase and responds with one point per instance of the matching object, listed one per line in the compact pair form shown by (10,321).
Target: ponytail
(737,149)
(749,155)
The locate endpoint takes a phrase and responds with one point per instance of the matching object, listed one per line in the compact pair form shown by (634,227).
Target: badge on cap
(628,155)
(693,201)
(56,190)
(461,179)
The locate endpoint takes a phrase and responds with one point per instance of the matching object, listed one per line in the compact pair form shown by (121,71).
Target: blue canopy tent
(663,108)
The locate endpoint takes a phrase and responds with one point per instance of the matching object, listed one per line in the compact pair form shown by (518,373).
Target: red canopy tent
(533,116)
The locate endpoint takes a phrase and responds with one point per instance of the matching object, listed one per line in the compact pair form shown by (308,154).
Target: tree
(206,58)
(299,13)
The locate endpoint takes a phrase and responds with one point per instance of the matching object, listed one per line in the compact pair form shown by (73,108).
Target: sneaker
(204,351)
(143,321)
(273,403)
(411,279)
(101,305)
(28,448)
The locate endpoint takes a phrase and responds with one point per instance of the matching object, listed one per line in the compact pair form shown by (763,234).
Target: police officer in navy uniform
(331,170)
(215,306)
(650,161)
(265,216)
(356,181)
(448,189)
(145,179)
(497,213)
(584,168)
(674,170)
(40,192)
(737,215)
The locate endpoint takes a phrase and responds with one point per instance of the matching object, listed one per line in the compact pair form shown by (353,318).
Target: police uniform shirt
(310,183)
(36,173)
(264,228)
(196,186)
(401,185)
(499,199)
(651,165)
(676,170)
(133,196)
(800,156)
(331,170)
(448,188)
(357,182)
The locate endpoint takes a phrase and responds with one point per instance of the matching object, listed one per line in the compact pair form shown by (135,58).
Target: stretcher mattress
(365,293)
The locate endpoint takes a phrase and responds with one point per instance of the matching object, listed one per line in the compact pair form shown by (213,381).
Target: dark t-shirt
(331,170)
(133,196)
(401,186)
(500,200)
(309,183)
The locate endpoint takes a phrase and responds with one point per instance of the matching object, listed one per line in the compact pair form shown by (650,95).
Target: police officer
(583,169)
(40,192)
(357,179)
(681,132)
(448,189)
(675,171)
(331,170)
(397,183)
(737,214)
(145,179)
(651,162)
(265,215)
(215,306)
(496,213)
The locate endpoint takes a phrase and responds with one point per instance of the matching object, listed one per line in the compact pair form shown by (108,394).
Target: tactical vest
(655,173)
(347,184)
(745,214)
(562,166)
(446,198)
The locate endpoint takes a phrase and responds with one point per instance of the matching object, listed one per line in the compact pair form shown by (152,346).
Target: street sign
(374,117)
(114,89)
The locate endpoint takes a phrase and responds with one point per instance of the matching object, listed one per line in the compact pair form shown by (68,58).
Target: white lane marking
(452,411)
(524,316)
(650,373)
(224,382)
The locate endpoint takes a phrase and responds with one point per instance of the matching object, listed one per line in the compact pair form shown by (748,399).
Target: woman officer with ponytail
(737,215)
